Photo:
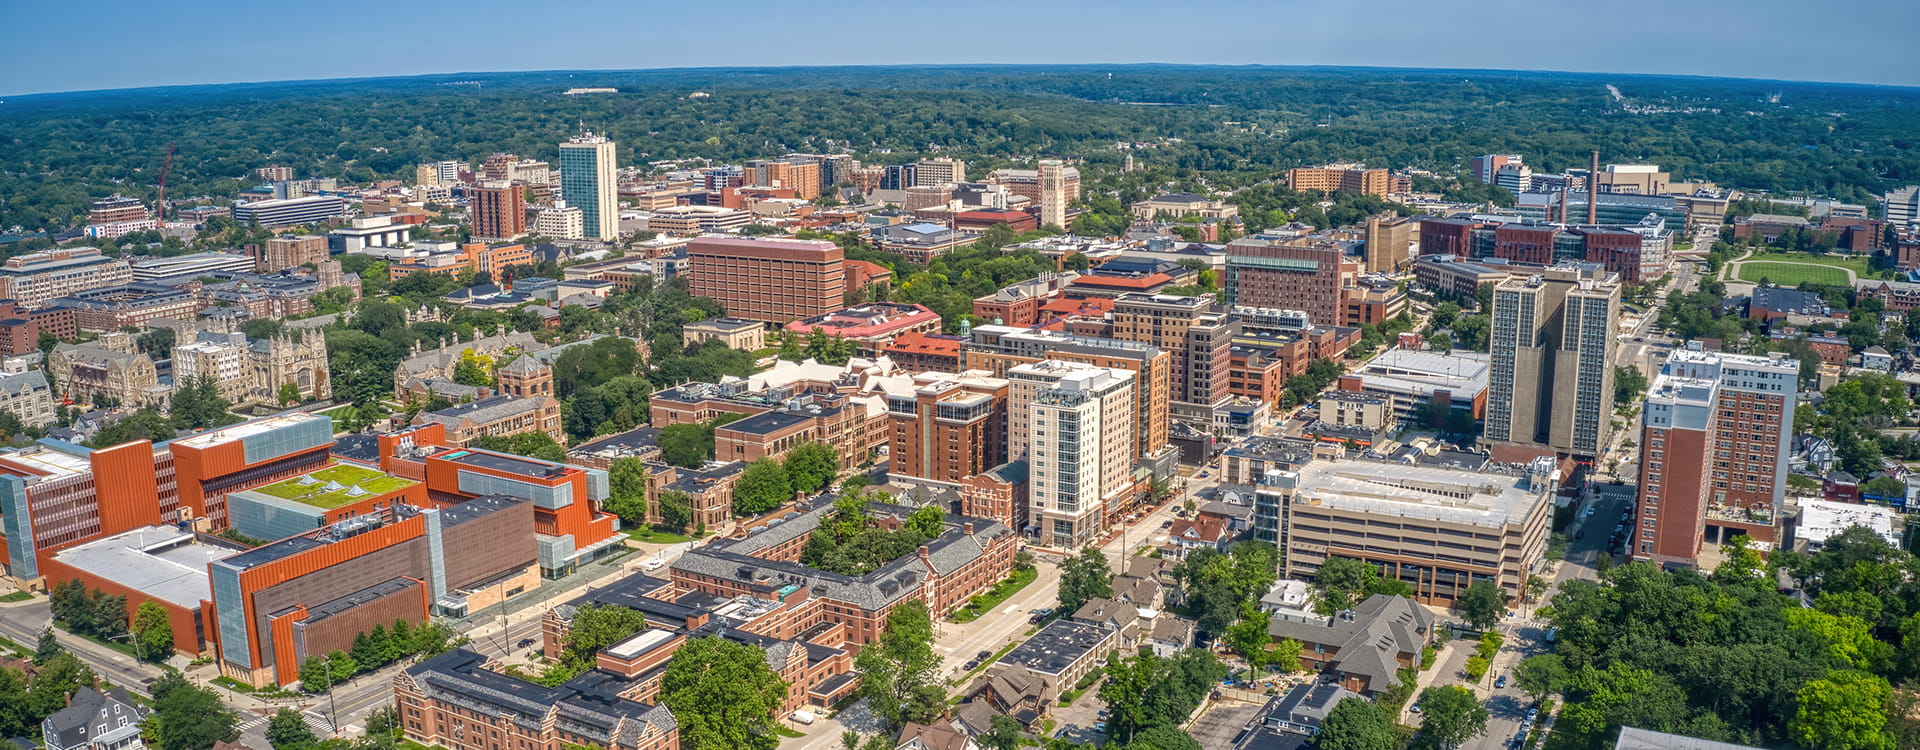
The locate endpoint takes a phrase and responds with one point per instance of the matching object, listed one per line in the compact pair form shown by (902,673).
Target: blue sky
(106,44)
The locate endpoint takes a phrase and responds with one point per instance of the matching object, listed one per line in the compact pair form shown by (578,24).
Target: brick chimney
(968,526)
(926,556)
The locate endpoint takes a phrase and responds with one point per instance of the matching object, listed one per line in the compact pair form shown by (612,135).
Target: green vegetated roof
(333,486)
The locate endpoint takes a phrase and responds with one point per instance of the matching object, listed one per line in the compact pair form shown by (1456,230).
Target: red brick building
(769,280)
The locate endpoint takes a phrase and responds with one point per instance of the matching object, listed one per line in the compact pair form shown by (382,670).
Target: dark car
(984,655)
(969,666)
(525,642)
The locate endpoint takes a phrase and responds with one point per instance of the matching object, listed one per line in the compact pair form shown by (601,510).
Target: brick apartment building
(769,280)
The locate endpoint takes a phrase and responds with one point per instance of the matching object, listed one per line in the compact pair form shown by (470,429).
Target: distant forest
(1227,125)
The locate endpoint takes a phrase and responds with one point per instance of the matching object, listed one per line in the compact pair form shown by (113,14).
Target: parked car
(970,665)
(1500,682)
(984,655)
(1416,708)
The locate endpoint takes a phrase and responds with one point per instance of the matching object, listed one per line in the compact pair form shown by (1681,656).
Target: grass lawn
(1792,274)
(646,534)
(983,603)
(15,596)
(785,731)
(314,492)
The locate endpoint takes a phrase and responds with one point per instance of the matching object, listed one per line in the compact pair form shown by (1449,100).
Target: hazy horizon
(227,42)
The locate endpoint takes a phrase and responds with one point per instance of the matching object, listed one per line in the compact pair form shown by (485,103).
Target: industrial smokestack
(1564,189)
(1593,188)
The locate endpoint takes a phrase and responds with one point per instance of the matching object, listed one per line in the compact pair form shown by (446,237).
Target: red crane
(160,202)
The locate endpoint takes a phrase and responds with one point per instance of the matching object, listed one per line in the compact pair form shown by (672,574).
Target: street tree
(189,717)
(1452,715)
(1249,637)
(899,673)
(596,627)
(1482,604)
(47,648)
(811,466)
(1084,576)
(1541,675)
(152,632)
(288,730)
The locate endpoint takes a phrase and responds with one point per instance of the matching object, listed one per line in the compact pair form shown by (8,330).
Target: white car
(653,564)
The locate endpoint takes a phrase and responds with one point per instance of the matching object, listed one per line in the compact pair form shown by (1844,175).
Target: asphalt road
(22,623)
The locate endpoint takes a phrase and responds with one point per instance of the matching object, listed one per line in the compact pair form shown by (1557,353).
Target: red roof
(873,270)
(1078,306)
(916,342)
(1148,281)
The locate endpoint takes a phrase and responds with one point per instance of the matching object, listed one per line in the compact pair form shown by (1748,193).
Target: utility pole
(333,707)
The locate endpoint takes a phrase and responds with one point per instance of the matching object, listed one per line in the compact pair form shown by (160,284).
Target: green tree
(152,631)
(1003,733)
(47,647)
(189,717)
(811,466)
(1356,724)
(676,510)
(596,627)
(686,445)
(473,369)
(1483,603)
(723,695)
(627,489)
(341,666)
(1085,576)
(1628,384)
(1846,710)
(315,675)
(927,521)
(1163,738)
(761,488)
(287,730)
(1541,675)
(1342,581)
(1452,715)
(1249,636)
(899,673)
(1285,656)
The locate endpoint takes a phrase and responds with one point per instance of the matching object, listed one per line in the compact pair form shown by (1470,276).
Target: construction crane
(160,202)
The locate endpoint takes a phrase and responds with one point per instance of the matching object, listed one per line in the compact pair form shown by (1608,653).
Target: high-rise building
(998,349)
(498,167)
(425,175)
(1053,193)
(1485,168)
(768,279)
(949,428)
(116,209)
(1713,452)
(1291,273)
(447,172)
(1551,380)
(1200,338)
(1516,178)
(281,253)
(498,210)
(1390,243)
(587,182)
(559,221)
(1080,442)
(939,171)
(273,173)
(797,173)
(1903,205)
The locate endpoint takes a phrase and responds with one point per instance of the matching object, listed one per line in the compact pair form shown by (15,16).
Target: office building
(1902,205)
(1389,247)
(939,171)
(498,210)
(192,265)
(949,427)
(1182,205)
(36,279)
(871,326)
(1199,337)
(1344,178)
(1294,273)
(693,221)
(587,182)
(769,280)
(999,349)
(1516,178)
(116,209)
(281,253)
(797,173)
(366,232)
(290,212)
(1079,441)
(560,222)
(1437,529)
(1713,452)
(1551,380)
(273,173)
(921,243)
(1053,193)
(1484,168)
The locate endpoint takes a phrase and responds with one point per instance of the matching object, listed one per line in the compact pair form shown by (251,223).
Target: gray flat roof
(1425,492)
(160,561)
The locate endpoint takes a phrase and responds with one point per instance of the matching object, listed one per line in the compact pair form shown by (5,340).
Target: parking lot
(1222,723)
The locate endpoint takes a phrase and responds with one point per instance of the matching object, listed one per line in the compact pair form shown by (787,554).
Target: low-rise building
(1363,648)
(921,243)
(95,720)
(736,333)
(1411,378)
(1182,205)
(498,416)
(870,326)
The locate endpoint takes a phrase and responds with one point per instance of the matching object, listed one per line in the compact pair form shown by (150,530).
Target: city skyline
(146,52)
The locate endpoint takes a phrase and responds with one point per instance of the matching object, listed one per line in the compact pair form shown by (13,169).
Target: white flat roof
(1822,519)
(1425,492)
(245,429)
(640,643)
(160,561)
(56,464)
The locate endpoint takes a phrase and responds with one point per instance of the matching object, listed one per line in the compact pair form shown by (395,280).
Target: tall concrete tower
(587,182)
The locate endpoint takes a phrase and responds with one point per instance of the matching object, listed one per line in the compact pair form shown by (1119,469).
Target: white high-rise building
(1080,435)
(587,181)
(1517,178)
(1053,193)
(1903,205)
(559,221)
(448,172)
